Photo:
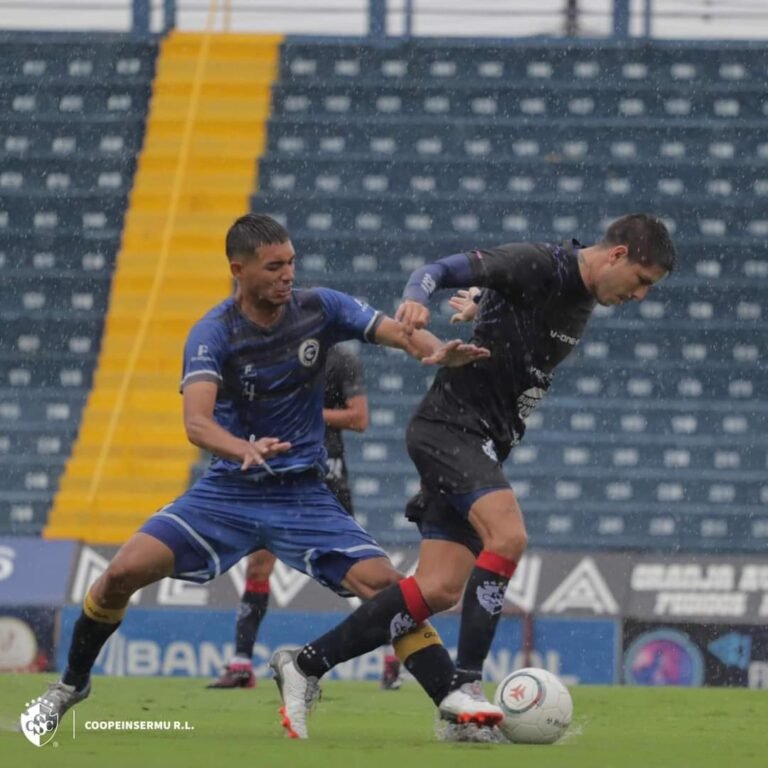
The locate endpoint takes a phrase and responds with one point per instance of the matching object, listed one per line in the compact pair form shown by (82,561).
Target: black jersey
(532,312)
(343,380)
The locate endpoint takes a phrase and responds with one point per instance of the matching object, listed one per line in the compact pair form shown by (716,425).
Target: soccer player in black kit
(535,302)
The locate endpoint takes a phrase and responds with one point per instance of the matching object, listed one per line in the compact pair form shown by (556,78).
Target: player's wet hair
(646,237)
(252,231)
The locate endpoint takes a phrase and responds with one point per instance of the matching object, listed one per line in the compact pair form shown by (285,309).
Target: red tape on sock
(414,600)
(258,587)
(494,563)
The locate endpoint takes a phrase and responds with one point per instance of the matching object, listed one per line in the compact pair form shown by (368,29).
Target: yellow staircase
(205,131)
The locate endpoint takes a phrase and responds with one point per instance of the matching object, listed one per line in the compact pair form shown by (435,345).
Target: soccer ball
(537,706)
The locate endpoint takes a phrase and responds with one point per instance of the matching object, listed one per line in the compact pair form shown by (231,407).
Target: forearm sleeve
(451,272)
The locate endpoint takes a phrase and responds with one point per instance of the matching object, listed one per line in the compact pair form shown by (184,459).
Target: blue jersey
(271,380)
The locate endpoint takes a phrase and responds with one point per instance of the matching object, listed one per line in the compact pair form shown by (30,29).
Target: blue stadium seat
(72,115)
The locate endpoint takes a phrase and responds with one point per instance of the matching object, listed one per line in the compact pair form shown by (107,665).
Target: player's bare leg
(443,570)
(142,560)
(238,673)
(497,518)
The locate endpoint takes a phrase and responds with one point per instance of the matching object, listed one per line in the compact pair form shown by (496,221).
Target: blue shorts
(221,518)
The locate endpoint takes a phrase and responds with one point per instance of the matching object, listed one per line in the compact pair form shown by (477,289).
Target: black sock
(377,622)
(88,638)
(483,602)
(252,609)
(433,669)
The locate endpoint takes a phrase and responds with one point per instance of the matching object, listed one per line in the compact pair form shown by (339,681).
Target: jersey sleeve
(520,271)
(350,318)
(204,354)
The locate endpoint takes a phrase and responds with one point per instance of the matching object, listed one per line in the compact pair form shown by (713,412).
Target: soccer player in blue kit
(253,394)
(535,300)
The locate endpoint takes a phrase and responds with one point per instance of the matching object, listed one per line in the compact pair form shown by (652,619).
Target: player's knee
(369,577)
(378,582)
(510,543)
(440,595)
(126,575)
(119,580)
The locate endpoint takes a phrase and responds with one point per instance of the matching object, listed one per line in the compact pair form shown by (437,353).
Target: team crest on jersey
(309,352)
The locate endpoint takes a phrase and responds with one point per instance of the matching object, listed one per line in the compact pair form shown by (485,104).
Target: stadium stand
(205,129)
(379,158)
(71,123)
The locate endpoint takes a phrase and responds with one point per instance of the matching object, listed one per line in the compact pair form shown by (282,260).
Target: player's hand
(463,302)
(258,451)
(456,353)
(412,315)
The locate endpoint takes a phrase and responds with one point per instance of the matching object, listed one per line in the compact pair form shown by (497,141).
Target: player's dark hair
(252,231)
(646,237)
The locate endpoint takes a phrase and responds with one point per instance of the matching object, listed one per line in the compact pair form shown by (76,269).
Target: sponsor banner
(34,571)
(555,583)
(26,639)
(200,642)
(688,654)
(702,589)
(547,582)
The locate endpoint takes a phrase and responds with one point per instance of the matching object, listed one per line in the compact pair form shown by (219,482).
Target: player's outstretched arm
(451,272)
(425,346)
(455,353)
(204,432)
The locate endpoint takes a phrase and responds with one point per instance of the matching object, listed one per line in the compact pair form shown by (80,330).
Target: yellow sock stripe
(422,637)
(103,615)
(196,171)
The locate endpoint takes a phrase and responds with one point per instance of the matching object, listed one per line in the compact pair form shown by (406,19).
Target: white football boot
(298,692)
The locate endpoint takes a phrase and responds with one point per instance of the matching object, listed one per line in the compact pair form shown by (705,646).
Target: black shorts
(339,488)
(456,467)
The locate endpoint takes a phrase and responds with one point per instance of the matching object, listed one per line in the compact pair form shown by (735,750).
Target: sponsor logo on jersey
(560,336)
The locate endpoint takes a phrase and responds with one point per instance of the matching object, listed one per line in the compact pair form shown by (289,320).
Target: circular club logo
(663,657)
(309,352)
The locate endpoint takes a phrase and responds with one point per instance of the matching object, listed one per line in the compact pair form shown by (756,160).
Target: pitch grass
(357,725)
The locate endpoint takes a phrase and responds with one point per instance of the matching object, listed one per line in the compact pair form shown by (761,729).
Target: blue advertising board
(34,571)
(199,642)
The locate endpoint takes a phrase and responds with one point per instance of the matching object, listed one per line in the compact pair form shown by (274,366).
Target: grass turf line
(357,724)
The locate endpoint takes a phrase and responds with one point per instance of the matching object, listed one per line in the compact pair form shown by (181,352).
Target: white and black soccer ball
(537,706)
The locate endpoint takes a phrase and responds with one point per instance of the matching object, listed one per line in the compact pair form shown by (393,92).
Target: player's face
(621,280)
(267,278)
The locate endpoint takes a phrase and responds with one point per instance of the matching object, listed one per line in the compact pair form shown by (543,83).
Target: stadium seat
(380,159)
(72,123)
